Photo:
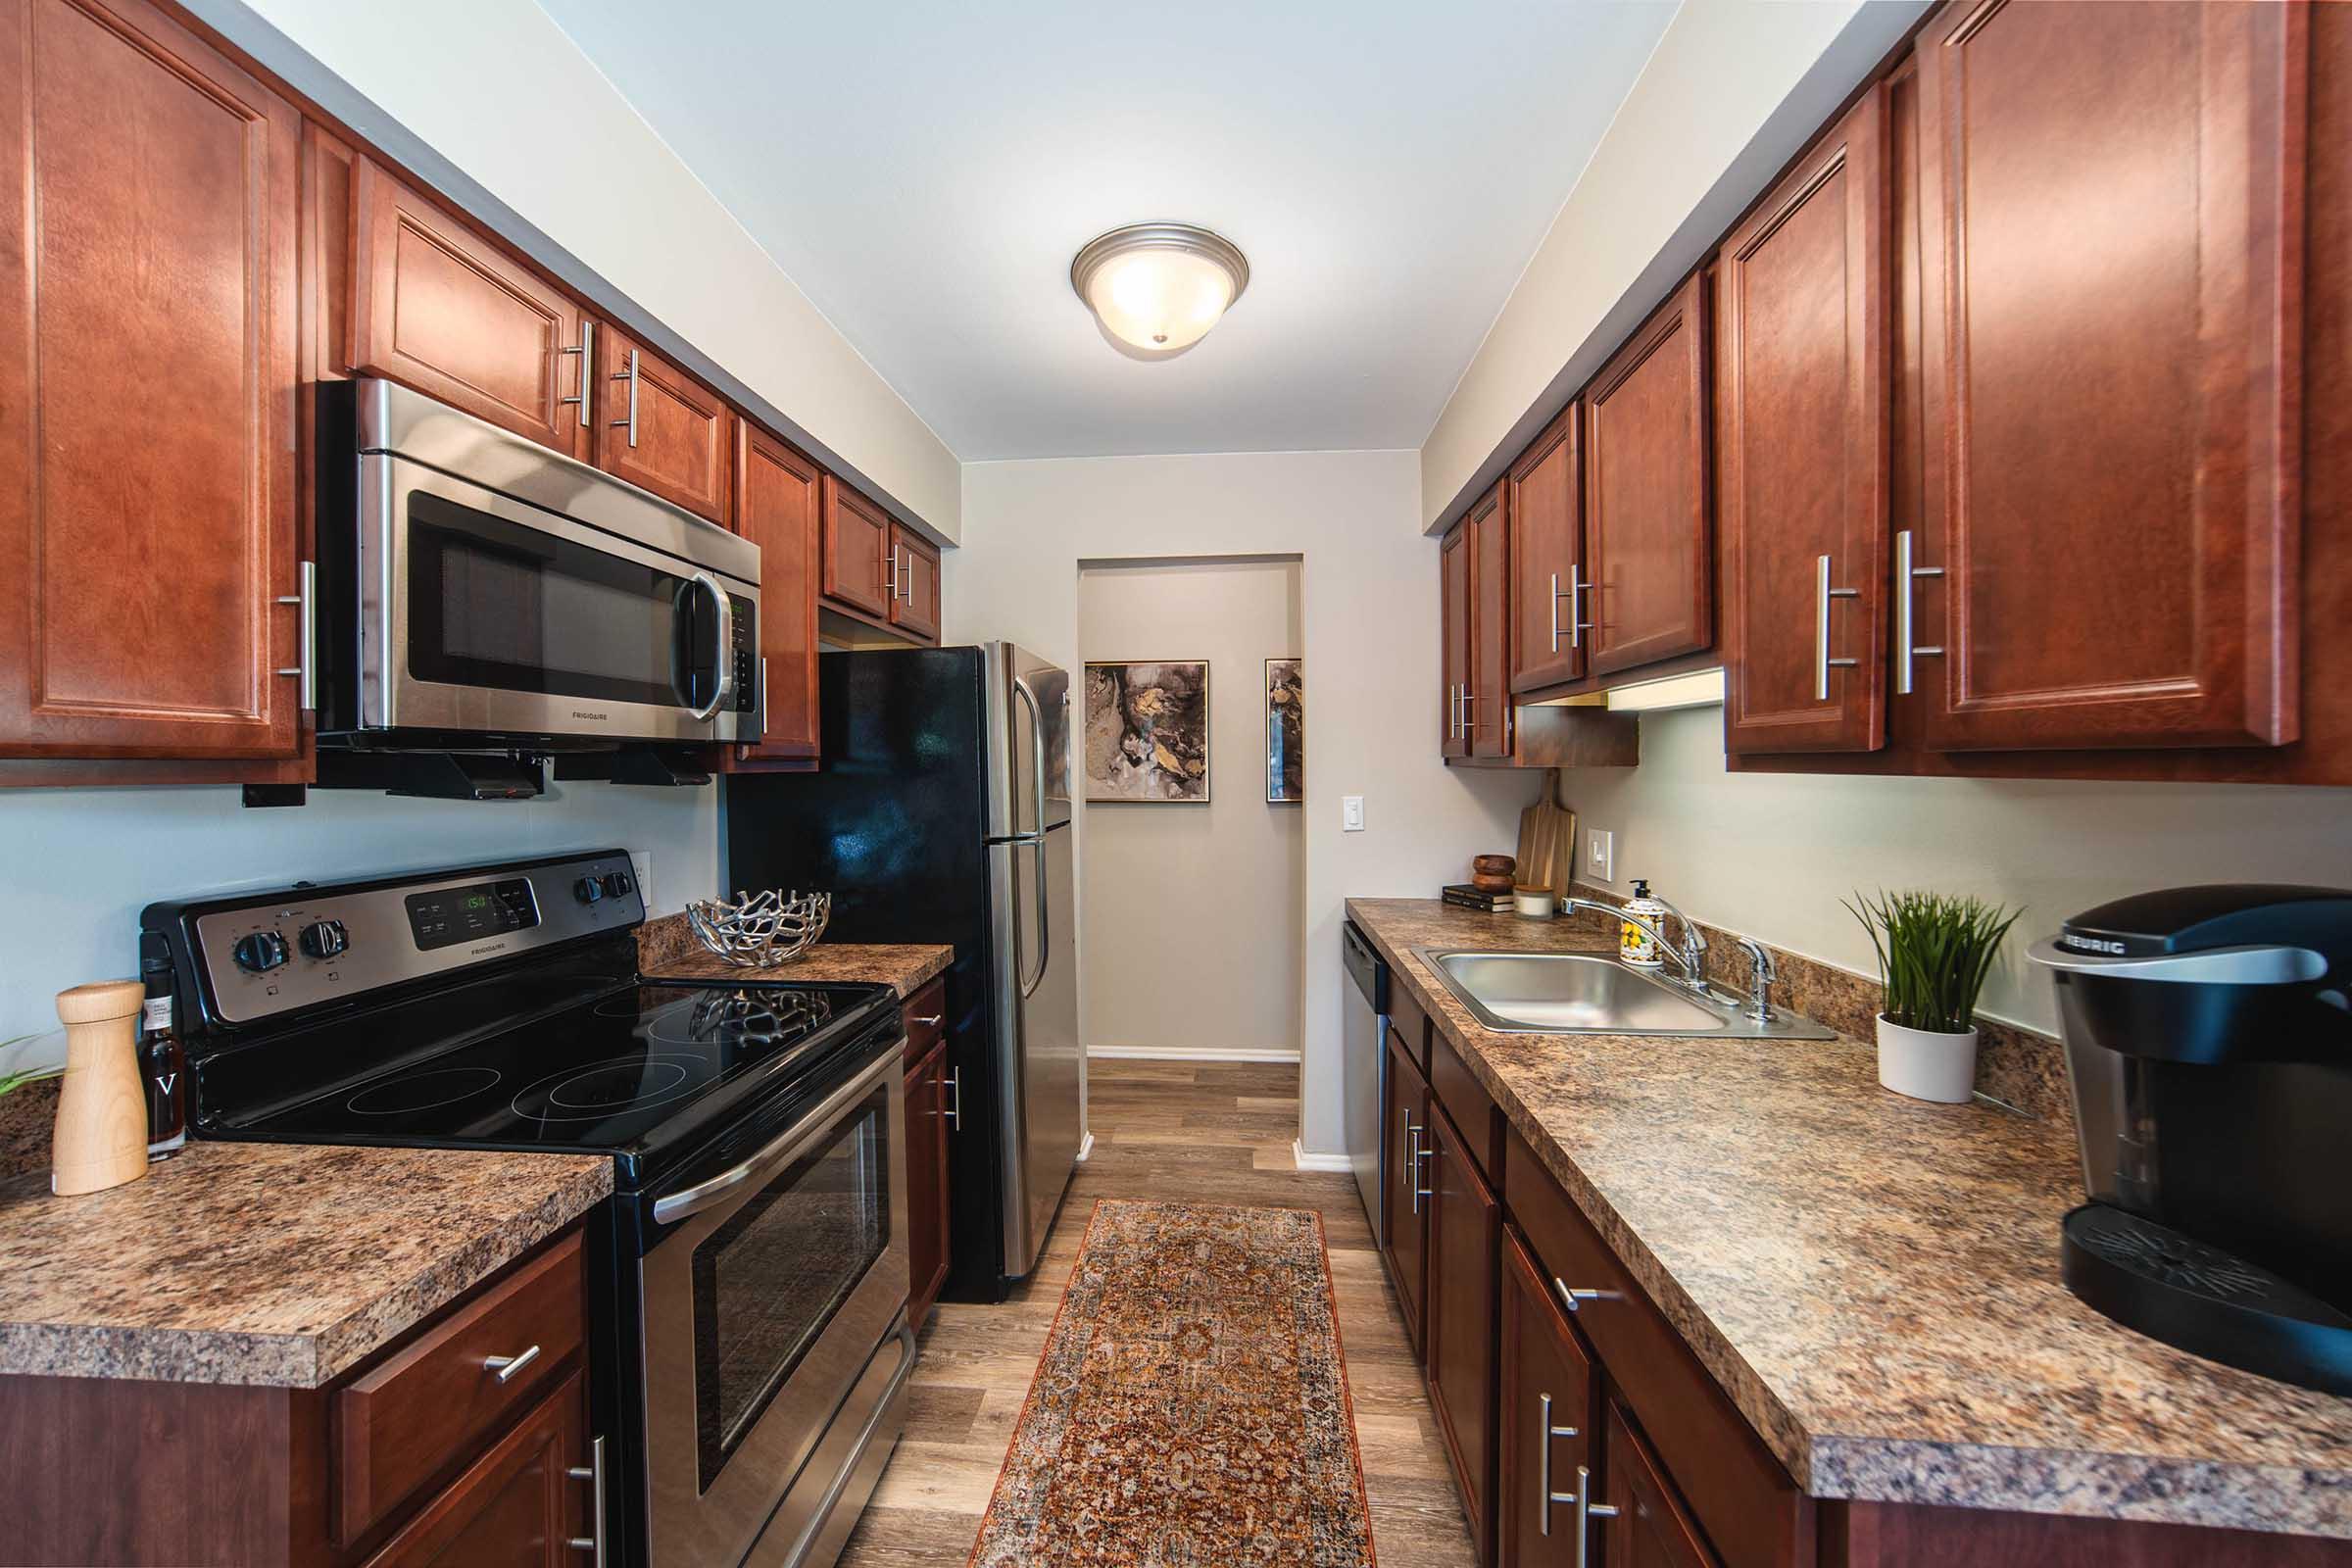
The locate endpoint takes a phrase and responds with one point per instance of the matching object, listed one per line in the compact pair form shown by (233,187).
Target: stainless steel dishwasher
(1364,1064)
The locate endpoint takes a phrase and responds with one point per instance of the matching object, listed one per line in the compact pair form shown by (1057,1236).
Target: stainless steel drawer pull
(594,1473)
(506,1366)
(1822,593)
(931,1022)
(890,578)
(587,353)
(1586,1510)
(1906,648)
(1546,1431)
(629,375)
(1416,1153)
(1574,1297)
(1578,625)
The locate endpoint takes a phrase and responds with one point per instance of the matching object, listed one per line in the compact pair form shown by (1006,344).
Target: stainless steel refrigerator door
(1028,742)
(1042,1064)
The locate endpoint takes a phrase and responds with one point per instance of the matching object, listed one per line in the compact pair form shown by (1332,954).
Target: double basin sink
(1593,994)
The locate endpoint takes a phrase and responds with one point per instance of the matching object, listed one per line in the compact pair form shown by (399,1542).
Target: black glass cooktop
(642,1071)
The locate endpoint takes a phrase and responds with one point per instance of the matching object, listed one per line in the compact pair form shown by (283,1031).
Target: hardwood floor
(1210,1132)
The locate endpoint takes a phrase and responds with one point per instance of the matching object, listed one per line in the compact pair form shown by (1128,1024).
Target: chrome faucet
(1690,953)
(1761,973)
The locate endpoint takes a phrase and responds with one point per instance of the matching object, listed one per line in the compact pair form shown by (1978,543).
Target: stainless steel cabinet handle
(1555,611)
(1453,710)
(931,1022)
(1905,648)
(305,619)
(1574,1297)
(1578,625)
(723,659)
(1586,1510)
(890,576)
(1416,1153)
(506,1366)
(594,1473)
(586,349)
(906,576)
(629,375)
(955,1099)
(1544,1433)
(1822,593)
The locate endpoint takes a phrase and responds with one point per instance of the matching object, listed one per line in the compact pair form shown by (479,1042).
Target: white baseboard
(1188,1054)
(1308,1161)
(1086,1149)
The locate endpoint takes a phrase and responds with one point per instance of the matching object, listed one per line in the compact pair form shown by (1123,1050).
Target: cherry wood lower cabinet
(1545,1419)
(1404,1214)
(148,514)
(660,429)
(418,1457)
(777,507)
(1645,1526)
(1465,1229)
(930,1109)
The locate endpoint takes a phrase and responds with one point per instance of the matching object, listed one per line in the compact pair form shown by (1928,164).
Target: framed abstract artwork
(1285,731)
(1146,732)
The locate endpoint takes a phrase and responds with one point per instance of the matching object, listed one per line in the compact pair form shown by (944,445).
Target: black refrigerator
(941,813)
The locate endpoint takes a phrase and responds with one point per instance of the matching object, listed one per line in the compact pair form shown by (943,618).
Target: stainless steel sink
(1593,994)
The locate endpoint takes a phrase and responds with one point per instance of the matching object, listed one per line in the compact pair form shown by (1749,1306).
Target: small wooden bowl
(1489,882)
(1494,864)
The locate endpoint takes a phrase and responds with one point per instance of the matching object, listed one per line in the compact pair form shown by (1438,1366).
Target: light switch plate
(1600,855)
(1351,813)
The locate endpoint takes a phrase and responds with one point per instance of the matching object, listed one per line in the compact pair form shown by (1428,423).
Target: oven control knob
(325,939)
(588,889)
(618,884)
(260,952)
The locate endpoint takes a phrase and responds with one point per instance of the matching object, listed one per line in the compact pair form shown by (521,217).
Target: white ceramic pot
(1927,1063)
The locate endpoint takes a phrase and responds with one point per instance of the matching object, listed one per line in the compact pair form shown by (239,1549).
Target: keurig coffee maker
(2209,1042)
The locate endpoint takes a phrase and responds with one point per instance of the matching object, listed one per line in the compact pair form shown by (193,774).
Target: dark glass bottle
(162,1063)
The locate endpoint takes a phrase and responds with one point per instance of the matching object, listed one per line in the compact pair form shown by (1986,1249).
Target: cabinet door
(1645,492)
(147,513)
(914,604)
(2111,346)
(927,1182)
(1487,702)
(1544,1420)
(856,549)
(439,308)
(776,506)
(1465,1230)
(1801,437)
(515,1505)
(1548,560)
(1403,1209)
(1453,623)
(1650,1529)
(660,428)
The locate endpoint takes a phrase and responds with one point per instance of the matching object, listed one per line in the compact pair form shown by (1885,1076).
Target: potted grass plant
(1935,950)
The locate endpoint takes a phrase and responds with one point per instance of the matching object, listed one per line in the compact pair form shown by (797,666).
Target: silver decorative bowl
(761,930)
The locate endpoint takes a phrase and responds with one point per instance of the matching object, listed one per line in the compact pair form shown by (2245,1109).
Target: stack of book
(1463,896)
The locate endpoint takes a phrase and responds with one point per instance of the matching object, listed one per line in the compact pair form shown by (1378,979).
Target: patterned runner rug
(1191,1409)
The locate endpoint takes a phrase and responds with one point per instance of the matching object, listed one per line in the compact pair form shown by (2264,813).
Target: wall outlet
(643,861)
(1600,855)
(1351,813)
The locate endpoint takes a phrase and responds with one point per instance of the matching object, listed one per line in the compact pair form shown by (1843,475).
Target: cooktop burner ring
(544,1099)
(421,1091)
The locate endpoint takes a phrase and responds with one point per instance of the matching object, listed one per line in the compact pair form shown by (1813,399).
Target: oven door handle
(722,657)
(788,1145)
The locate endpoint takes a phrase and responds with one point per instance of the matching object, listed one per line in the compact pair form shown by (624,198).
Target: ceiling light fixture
(1156,288)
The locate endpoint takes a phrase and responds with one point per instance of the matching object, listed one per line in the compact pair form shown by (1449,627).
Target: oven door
(763,1305)
(480,615)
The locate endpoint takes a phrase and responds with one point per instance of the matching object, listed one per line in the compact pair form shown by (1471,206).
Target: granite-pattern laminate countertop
(1874,1279)
(667,949)
(279,1264)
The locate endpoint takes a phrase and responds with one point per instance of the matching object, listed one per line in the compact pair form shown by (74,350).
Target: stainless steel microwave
(481,590)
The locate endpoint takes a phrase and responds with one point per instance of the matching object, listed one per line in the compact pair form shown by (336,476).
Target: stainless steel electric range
(751,1346)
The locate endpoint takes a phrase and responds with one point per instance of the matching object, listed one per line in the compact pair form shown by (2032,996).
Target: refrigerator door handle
(1036,838)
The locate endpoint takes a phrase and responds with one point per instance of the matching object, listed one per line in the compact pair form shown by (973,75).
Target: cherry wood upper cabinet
(1454,633)
(1801,450)
(856,551)
(2111,216)
(438,307)
(660,429)
(1544,1419)
(148,513)
(1547,558)
(1486,699)
(913,583)
(1645,458)
(1465,1229)
(776,508)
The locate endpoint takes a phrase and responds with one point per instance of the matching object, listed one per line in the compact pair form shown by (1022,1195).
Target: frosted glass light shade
(1156,288)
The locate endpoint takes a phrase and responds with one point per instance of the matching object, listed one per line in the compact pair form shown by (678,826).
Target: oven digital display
(450,915)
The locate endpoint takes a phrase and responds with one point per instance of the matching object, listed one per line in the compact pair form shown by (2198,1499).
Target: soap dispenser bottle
(1636,946)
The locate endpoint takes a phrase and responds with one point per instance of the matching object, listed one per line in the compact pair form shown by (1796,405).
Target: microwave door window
(495,603)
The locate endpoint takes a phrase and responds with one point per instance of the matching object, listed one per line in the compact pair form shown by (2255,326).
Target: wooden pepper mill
(101,1110)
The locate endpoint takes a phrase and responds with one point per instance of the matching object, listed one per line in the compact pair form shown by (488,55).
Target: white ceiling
(925,170)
